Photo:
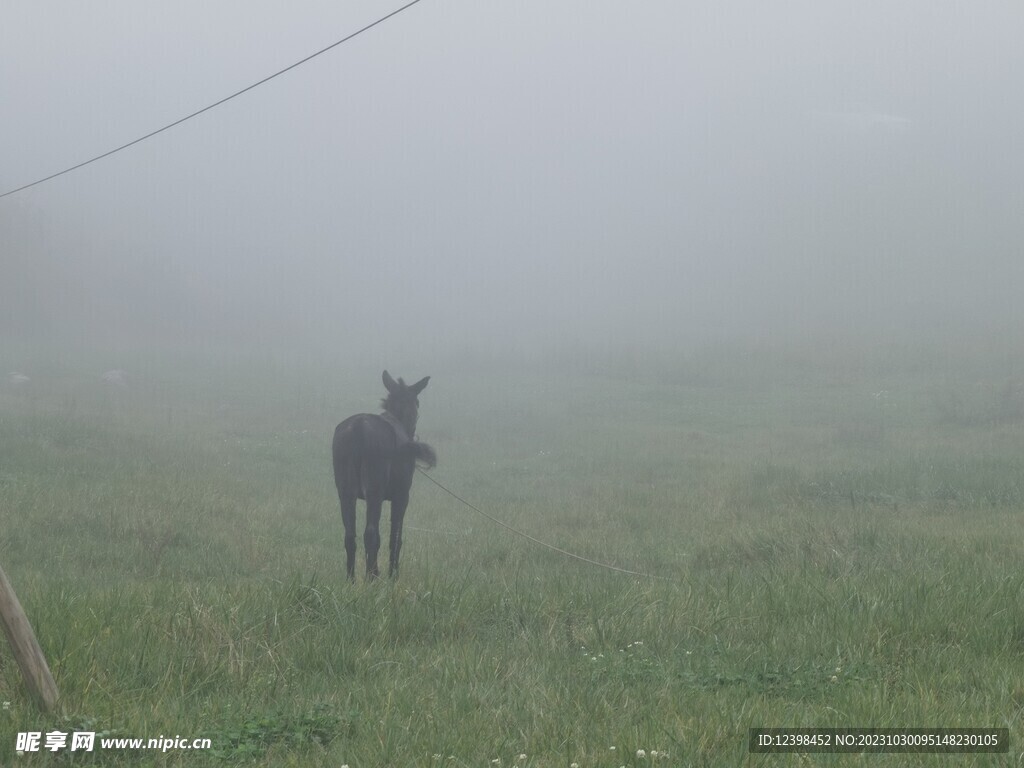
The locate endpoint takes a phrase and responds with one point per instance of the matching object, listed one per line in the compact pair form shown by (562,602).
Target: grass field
(837,541)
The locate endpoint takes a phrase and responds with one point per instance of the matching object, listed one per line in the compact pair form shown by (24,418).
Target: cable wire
(215,104)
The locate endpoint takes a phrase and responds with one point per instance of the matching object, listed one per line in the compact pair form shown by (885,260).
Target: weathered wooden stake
(26,649)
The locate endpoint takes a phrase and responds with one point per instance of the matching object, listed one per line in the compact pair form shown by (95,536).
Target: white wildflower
(641,754)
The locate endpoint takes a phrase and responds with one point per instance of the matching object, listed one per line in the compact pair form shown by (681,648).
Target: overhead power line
(198,112)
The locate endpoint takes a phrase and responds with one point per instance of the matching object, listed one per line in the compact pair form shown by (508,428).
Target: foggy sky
(514,173)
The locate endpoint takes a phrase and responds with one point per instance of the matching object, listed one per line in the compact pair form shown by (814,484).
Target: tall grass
(831,550)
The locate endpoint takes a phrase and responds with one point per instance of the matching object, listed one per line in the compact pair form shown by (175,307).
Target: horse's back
(363,448)
(362,436)
(348,435)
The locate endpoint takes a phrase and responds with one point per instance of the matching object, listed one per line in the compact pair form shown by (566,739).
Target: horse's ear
(390,383)
(420,385)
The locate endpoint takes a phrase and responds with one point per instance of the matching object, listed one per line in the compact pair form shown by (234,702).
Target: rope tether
(534,539)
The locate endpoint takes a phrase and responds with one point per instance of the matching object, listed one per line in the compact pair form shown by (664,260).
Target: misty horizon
(516,177)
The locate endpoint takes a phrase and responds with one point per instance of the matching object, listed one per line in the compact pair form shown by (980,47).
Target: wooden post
(26,649)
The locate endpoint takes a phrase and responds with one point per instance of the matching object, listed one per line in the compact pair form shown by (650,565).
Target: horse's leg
(348,518)
(371,537)
(398,506)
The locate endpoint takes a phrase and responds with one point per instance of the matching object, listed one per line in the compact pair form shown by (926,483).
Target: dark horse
(374,459)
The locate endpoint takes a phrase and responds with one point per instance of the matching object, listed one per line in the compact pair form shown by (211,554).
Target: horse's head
(403,401)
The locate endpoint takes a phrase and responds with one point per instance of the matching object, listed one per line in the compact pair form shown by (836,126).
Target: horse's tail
(420,452)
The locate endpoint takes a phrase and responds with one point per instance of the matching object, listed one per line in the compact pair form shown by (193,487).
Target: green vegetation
(837,538)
